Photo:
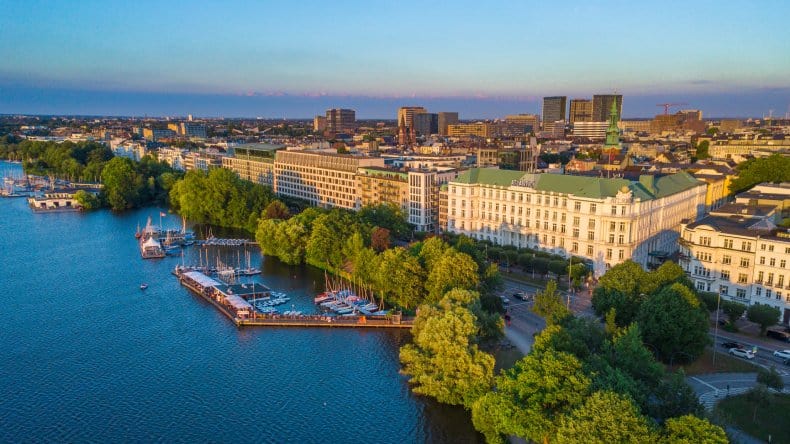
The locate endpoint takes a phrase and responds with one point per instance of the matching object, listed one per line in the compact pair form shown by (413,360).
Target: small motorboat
(143,286)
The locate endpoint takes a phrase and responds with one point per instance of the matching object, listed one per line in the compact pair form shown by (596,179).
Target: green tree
(276,210)
(532,396)
(549,305)
(400,278)
(121,184)
(733,310)
(764,315)
(443,361)
(774,168)
(674,322)
(702,150)
(451,270)
(629,354)
(87,200)
(431,250)
(324,248)
(689,429)
(771,378)
(604,418)
(674,397)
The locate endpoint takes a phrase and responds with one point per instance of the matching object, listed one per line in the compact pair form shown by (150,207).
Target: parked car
(784,354)
(780,335)
(741,353)
(729,345)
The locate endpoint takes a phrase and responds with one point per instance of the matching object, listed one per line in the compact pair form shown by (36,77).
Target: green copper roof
(613,131)
(648,187)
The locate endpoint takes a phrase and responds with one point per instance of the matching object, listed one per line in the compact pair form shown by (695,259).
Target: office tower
(530,122)
(406,115)
(581,110)
(426,124)
(340,120)
(602,105)
(319,124)
(553,111)
(445,119)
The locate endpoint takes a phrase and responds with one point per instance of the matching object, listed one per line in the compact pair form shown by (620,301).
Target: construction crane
(667,105)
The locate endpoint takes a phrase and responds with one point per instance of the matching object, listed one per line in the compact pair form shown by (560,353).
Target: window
(577,206)
(723,289)
(703,256)
(772,262)
(744,262)
(762,260)
(611,238)
(726,259)
(768,293)
(593,208)
(741,293)
(770,279)
(770,248)
(591,235)
(591,224)
(759,277)
(783,263)
(575,232)
(614,210)
(700,286)
(780,280)
(621,239)
(608,253)
(620,254)
(622,226)
(742,278)
(727,243)
(704,241)
(576,221)
(612,226)
(758,291)
(725,275)
(575,247)
(589,250)
(746,246)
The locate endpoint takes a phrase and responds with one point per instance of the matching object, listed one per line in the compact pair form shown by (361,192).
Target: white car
(784,354)
(742,353)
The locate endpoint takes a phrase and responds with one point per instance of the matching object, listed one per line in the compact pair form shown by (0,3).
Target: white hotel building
(606,221)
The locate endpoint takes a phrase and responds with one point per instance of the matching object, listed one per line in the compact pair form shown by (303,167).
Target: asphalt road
(764,356)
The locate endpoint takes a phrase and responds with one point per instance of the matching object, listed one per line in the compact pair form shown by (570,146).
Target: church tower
(613,132)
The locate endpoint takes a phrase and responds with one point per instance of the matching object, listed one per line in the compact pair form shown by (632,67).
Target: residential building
(605,221)
(739,253)
(340,120)
(776,195)
(377,185)
(487,156)
(723,148)
(253,162)
(602,104)
(175,157)
(319,124)
(155,134)
(553,112)
(581,110)
(444,119)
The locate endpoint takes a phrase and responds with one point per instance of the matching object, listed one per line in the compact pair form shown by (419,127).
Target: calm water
(85,355)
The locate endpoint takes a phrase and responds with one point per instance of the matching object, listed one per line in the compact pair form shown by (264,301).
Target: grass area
(771,417)
(724,364)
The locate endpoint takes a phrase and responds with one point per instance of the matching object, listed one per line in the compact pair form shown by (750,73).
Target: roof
(740,226)
(648,187)
(202,279)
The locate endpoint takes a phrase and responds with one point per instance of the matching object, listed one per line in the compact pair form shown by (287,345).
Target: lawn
(724,364)
(771,417)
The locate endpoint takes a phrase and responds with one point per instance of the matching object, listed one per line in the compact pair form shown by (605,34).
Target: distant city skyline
(489,60)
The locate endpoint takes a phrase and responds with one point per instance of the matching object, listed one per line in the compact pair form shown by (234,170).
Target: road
(764,357)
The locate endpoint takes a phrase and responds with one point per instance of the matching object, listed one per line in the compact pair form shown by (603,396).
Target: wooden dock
(323,321)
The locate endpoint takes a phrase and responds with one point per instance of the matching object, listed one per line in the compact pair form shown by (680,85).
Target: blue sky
(296,58)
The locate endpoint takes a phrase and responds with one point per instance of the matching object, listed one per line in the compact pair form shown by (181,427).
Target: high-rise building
(340,120)
(406,115)
(426,124)
(602,105)
(445,119)
(319,124)
(530,122)
(553,111)
(581,110)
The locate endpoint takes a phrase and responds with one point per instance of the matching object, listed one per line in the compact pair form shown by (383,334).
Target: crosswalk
(709,399)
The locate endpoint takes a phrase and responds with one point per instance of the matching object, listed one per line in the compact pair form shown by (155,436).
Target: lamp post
(716,327)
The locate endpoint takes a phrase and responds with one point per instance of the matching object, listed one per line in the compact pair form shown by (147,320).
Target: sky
(483,59)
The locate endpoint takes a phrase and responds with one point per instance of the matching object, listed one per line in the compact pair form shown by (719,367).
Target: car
(505,300)
(784,354)
(731,345)
(778,335)
(741,353)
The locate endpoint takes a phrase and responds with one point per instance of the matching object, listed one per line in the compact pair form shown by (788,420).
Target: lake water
(85,355)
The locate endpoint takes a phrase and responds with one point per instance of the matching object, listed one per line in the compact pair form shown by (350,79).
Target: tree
(549,305)
(689,429)
(771,378)
(702,150)
(733,310)
(121,183)
(774,168)
(629,354)
(276,210)
(380,239)
(758,396)
(604,418)
(87,200)
(443,362)
(709,300)
(400,277)
(531,396)
(451,270)
(674,322)
(674,397)
(764,315)
(431,250)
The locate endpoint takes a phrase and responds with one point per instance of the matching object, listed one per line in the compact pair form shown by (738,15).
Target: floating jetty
(217,242)
(233,302)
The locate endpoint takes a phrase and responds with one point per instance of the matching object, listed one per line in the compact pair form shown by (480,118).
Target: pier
(242,313)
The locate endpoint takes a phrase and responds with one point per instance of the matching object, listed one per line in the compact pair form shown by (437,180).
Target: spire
(613,132)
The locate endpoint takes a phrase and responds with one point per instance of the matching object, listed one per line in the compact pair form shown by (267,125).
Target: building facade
(444,119)
(341,120)
(406,115)
(741,255)
(553,112)
(605,221)
(580,110)
(602,104)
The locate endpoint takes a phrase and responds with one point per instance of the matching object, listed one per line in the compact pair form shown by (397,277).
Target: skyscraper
(602,105)
(406,115)
(426,124)
(340,120)
(446,118)
(553,109)
(581,110)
